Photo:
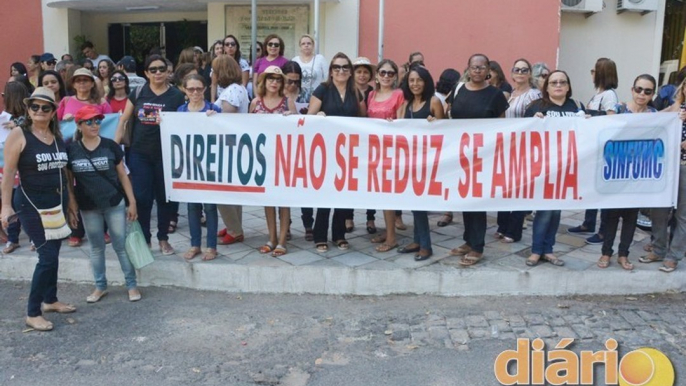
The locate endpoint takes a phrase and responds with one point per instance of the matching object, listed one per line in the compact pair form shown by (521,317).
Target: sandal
(424,254)
(309,234)
(343,245)
(60,308)
(280,250)
(371,227)
(668,268)
(552,259)
(624,262)
(650,258)
(471,258)
(166,248)
(267,248)
(10,247)
(409,248)
(191,253)
(349,226)
(386,247)
(507,240)
(445,220)
(533,260)
(172,227)
(39,324)
(461,250)
(604,261)
(210,254)
(322,248)
(378,239)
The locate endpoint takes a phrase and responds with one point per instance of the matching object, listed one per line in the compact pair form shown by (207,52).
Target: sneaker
(580,230)
(595,239)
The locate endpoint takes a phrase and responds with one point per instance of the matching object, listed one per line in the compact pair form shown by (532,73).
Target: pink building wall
(448,32)
(22,36)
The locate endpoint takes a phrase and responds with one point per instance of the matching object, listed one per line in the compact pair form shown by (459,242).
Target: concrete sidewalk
(363,271)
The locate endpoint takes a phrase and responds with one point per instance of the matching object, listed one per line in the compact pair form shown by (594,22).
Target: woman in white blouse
(314,67)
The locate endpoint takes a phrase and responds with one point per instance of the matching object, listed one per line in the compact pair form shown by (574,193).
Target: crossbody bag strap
(59,171)
(103,175)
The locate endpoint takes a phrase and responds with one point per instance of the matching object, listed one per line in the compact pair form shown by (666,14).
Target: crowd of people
(91,186)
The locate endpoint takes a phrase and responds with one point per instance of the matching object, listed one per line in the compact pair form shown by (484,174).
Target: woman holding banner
(336,97)
(420,102)
(556,101)
(475,99)
(270,99)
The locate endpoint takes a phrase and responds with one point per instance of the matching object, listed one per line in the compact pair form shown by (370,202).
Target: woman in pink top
(274,47)
(383,102)
(85,93)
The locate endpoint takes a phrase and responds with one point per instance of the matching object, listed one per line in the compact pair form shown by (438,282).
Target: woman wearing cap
(274,56)
(100,193)
(194,87)
(335,97)
(314,66)
(232,47)
(233,99)
(52,80)
(37,152)
(145,152)
(270,99)
(119,92)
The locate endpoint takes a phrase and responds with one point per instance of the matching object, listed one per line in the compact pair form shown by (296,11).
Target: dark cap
(46,57)
(128,62)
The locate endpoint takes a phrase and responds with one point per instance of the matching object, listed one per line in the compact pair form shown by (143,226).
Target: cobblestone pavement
(180,337)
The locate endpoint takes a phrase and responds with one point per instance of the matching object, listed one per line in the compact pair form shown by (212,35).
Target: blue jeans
(546,223)
(422,232)
(212,221)
(115,216)
(147,178)
(14,228)
(44,281)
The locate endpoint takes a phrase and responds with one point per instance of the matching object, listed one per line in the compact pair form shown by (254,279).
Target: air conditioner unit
(582,6)
(643,6)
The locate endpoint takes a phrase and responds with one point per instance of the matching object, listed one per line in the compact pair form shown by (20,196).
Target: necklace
(42,135)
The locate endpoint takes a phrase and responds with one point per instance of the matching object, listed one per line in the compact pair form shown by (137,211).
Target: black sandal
(172,227)
(424,254)
(371,227)
(405,249)
(445,220)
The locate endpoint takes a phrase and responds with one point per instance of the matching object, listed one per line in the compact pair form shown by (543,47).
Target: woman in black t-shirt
(556,101)
(474,99)
(336,97)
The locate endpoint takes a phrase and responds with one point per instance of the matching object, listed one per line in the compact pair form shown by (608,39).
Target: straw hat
(83,72)
(362,61)
(271,70)
(43,94)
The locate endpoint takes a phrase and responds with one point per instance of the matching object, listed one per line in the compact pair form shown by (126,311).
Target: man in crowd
(88,50)
(62,67)
(128,65)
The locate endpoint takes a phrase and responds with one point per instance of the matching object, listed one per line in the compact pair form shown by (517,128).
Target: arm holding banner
(121,126)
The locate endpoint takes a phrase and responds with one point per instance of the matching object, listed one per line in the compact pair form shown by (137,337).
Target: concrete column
(216,22)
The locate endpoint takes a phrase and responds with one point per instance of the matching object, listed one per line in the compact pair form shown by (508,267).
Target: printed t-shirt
(147,108)
(91,190)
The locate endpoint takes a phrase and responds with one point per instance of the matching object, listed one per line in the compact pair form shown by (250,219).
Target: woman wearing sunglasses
(145,152)
(336,97)
(540,72)
(510,224)
(556,101)
(233,48)
(642,95)
(274,47)
(95,164)
(119,91)
(474,99)
(672,249)
(383,102)
(194,87)
(36,150)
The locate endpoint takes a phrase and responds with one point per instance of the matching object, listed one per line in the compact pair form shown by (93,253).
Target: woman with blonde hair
(313,66)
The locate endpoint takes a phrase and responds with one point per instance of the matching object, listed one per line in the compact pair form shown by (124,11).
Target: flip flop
(63,308)
(210,254)
(39,326)
(280,250)
(650,258)
(624,262)
(191,253)
(378,239)
(667,269)
(604,261)
(470,259)
(386,247)
(166,248)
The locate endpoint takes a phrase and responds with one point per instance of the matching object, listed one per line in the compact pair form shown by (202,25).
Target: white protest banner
(618,161)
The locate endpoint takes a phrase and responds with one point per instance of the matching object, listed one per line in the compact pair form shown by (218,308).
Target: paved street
(181,336)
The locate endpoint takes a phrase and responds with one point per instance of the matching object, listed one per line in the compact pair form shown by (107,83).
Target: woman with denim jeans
(95,163)
(194,87)
(556,101)
(420,103)
(36,150)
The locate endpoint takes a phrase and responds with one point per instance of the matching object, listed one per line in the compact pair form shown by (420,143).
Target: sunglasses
(520,70)
(645,91)
(117,79)
(193,90)
(155,70)
(230,44)
(274,45)
(277,79)
(339,68)
(558,83)
(386,74)
(44,108)
(91,122)
(51,62)
(292,82)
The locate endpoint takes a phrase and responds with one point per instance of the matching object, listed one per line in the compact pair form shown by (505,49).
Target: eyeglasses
(339,68)
(230,44)
(155,70)
(193,90)
(44,108)
(645,91)
(558,83)
(292,82)
(478,68)
(520,70)
(117,79)
(386,74)
(276,79)
(91,122)
(273,45)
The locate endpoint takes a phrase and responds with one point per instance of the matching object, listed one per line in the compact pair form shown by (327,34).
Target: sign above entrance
(288,21)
